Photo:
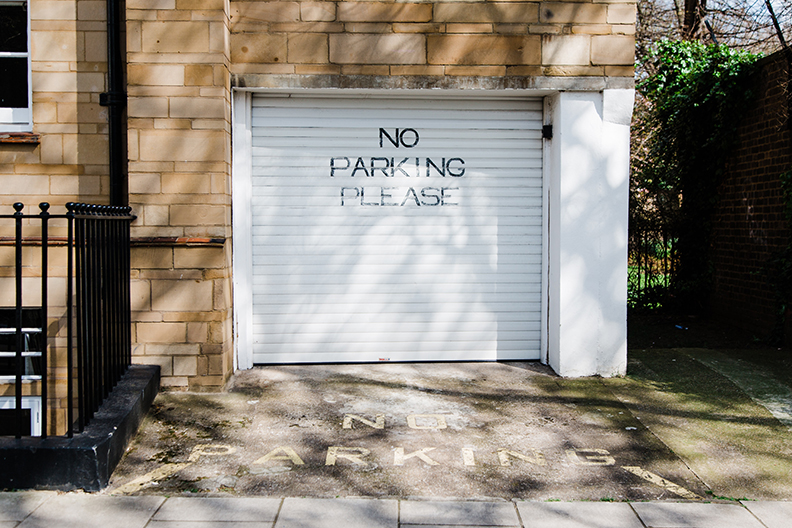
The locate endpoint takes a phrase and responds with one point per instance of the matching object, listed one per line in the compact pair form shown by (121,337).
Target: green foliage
(695,96)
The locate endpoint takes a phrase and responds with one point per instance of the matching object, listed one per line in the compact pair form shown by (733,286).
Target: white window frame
(19,119)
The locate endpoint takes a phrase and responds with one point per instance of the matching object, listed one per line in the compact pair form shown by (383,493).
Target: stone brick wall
(179,185)
(749,222)
(510,38)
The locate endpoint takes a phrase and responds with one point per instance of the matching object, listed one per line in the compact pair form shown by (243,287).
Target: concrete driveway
(463,430)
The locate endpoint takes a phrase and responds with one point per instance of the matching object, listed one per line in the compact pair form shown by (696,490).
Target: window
(15,95)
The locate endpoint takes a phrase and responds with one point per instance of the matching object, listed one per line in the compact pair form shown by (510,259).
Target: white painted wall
(588,170)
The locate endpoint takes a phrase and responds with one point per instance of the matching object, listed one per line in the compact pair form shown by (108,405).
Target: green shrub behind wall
(698,95)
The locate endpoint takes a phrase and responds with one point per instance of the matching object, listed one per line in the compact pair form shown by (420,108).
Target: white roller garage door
(396,229)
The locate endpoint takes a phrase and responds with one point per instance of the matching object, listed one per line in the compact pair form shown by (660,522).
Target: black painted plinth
(87,460)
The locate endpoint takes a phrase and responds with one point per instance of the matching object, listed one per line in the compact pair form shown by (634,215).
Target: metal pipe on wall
(115,99)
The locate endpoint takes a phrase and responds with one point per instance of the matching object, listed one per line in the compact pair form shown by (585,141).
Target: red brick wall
(749,222)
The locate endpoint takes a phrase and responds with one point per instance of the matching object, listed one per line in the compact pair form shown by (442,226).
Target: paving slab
(733,444)
(231,509)
(346,513)
(208,524)
(577,515)
(17,505)
(80,510)
(693,515)
(458,513)
(773,514)
(403,525)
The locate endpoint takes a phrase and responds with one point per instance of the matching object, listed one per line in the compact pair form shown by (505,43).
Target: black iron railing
(97,319)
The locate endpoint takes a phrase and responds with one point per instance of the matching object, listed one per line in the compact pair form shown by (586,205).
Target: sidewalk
(50,509)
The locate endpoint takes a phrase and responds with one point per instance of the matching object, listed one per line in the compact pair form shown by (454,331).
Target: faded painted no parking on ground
(472,430)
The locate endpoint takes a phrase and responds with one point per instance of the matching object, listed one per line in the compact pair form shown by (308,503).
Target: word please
(398,196)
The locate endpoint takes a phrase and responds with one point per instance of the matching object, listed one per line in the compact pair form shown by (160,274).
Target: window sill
(20,137)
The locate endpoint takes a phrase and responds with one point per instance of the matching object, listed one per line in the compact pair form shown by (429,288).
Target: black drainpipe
(115,99)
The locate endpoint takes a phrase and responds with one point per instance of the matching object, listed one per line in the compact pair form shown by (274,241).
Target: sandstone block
(156,215)
(151,257)
(156,74)
(620,71)
(189,108)
(417,70)
(621,14)
(573,12)
(613,50)
(264,12)
(258,48)
(592,29)
(175,382)
(181,295)
(22,184)
(144,183)
(95,46)
(199,5)
(199,257)
(469,28)
(92,149)
(82,186)
(151,4)
(182,145)
(198,75)
(310,48)
(317,69)
(55,81)
(192,215)
(524,71)
(140,295)
(307,27)
(92,10)
(365,69)
(186,183)
(508,12)
(378,49)
(476,71)
(566,50)
(197,332)
(470,50)
(573,71)
(383,12)
(173,349)
(161,332)
(175,37)
(52,149)
(401,27)
(367,27)
(45,113)
(53,10)
(185,366)
(148,107)
(317,11)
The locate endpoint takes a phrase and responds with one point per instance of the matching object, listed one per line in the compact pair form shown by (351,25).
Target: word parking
(397,167)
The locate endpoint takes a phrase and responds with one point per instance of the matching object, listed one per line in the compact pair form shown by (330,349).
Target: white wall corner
(589,191)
